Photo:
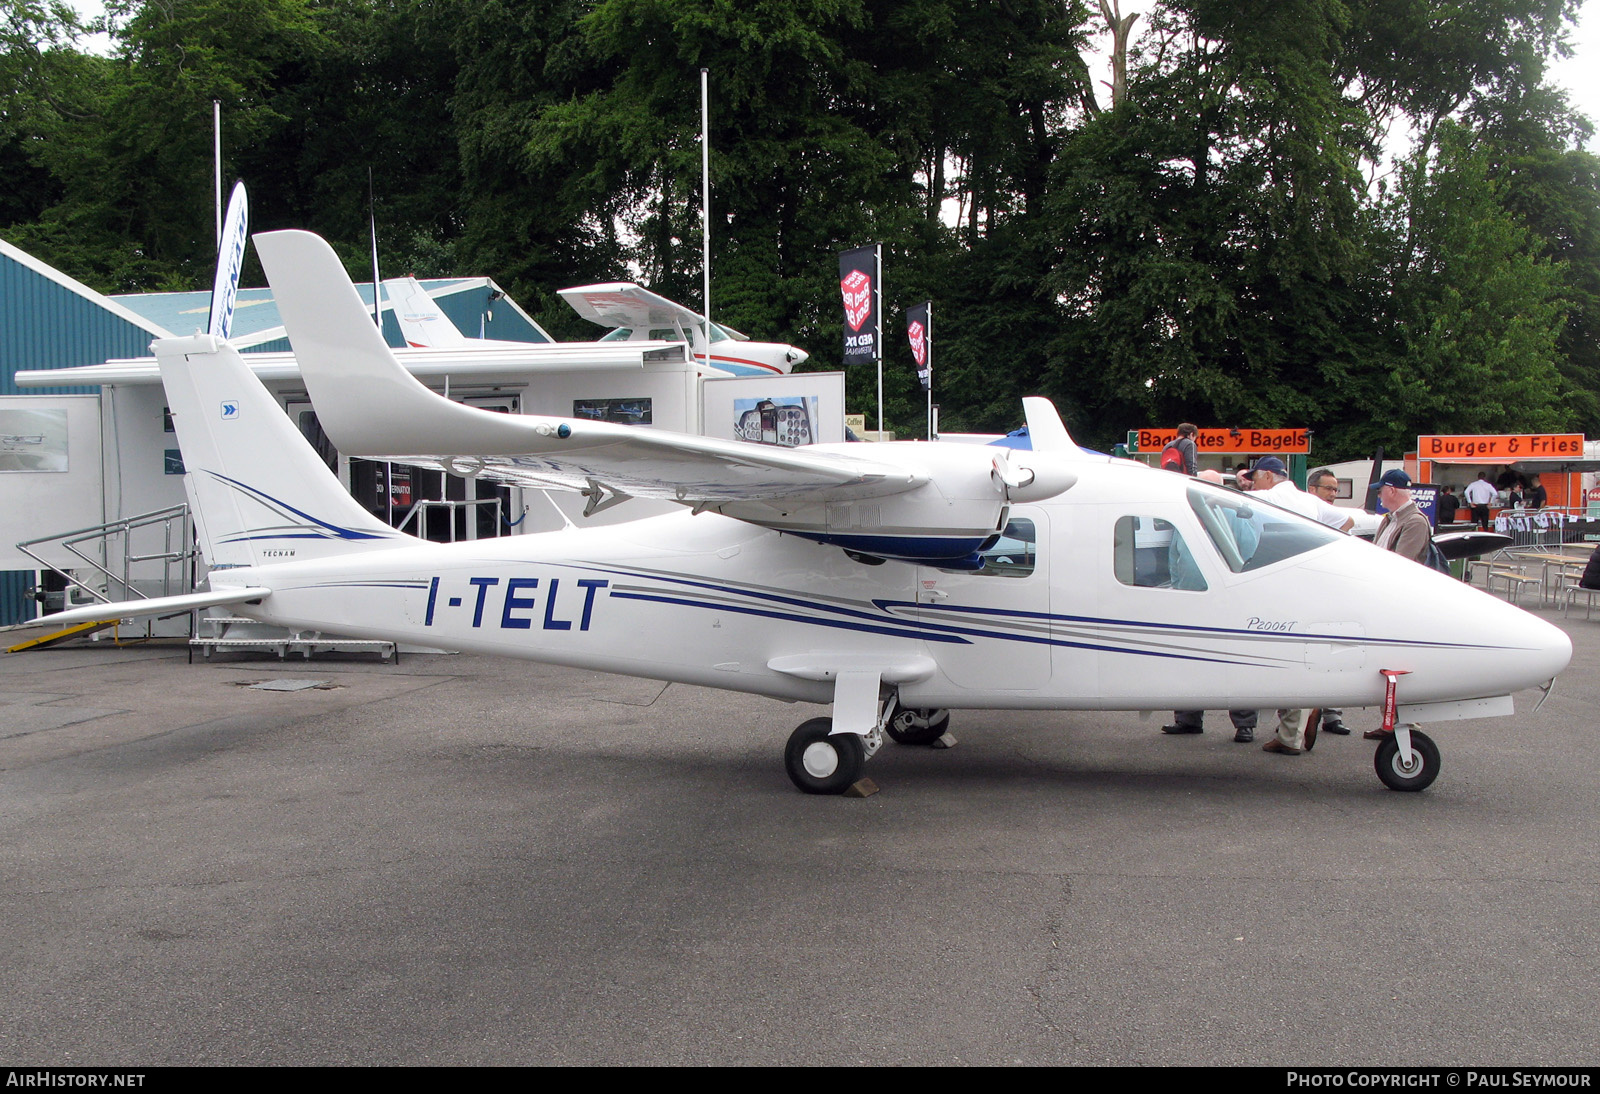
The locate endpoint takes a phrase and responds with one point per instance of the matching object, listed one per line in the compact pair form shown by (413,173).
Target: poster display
(790,411)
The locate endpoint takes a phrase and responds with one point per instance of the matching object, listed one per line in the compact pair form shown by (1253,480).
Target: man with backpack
(1180,454)
(1404,530)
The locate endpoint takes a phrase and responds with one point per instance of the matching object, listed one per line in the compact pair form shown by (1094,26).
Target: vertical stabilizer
(259,492)
(421,322)
(1046,431)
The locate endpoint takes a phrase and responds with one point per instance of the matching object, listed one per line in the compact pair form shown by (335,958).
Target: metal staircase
(110,554)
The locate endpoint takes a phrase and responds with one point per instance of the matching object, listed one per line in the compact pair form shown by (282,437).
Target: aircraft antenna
(372,225)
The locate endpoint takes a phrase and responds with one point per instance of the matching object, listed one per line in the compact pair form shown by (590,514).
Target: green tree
(1477,311)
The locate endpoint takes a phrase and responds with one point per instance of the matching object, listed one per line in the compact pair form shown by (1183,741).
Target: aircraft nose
(797,356)
(1535,650)
(1556,653)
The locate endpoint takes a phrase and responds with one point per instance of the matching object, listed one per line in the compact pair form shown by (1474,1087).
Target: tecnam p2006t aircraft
(896,581)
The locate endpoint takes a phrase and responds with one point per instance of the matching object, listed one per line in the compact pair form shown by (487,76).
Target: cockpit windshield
(1251,534)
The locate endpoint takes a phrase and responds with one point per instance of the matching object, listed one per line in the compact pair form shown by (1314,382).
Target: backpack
(1171,458)
(1435,560)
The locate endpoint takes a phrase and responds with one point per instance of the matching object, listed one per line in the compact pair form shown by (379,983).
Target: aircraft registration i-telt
(897,581)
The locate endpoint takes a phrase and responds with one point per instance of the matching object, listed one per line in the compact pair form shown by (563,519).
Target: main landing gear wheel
(822,763)
(908,726)
(1396,774)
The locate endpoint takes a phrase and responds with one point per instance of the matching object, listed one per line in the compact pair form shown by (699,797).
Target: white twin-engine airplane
(896,581)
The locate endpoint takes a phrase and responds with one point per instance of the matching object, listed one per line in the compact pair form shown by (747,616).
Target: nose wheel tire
(909,726)
(1419,774)
(822,763)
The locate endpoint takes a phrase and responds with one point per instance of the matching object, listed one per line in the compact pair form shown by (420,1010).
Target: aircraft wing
(371,406)
(625,304)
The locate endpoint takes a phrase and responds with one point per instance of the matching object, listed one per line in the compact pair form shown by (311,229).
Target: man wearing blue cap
(1272,484)
(1404,530)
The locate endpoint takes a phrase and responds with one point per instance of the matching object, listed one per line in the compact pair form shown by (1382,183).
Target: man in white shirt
(1479,493)
(1273,484)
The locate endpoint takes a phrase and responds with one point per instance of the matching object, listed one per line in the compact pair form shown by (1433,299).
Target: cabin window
(1250,534)
(621,334)
(1150,553)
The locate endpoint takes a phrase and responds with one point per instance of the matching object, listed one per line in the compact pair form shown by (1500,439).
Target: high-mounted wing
(637,313)
(625,304)
(371,406)
(921,502)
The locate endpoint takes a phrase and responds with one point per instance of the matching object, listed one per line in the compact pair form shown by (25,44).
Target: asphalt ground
(469,860)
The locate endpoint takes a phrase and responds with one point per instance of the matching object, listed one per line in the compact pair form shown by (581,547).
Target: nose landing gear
(1399,774)
(1407,759)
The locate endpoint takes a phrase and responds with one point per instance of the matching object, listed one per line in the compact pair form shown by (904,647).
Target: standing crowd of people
(1518,493)
(1405,530)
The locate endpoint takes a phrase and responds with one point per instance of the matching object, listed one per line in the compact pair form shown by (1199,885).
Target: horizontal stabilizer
(136,609)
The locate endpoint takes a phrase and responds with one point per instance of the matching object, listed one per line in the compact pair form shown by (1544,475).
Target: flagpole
(705,202)
(930,370)
(216,156)
(878,289)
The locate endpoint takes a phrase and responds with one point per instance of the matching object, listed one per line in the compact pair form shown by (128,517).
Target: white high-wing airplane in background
(896,581)
(637,315)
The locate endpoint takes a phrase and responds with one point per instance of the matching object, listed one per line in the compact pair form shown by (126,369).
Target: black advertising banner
(858,284)
(919,332)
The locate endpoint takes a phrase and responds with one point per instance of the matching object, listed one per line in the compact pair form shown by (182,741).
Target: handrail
(424,505)
(172,553)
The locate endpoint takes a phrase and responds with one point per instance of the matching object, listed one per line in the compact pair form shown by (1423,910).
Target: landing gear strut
(1407,759)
